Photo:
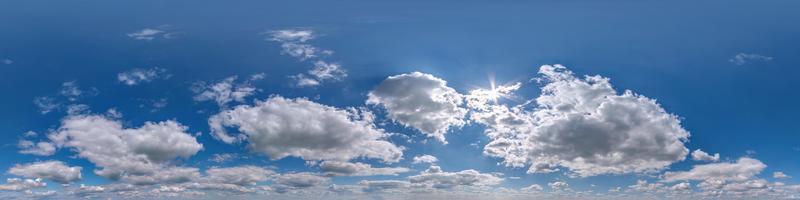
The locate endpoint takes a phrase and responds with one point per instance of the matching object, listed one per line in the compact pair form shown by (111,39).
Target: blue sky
(319,82)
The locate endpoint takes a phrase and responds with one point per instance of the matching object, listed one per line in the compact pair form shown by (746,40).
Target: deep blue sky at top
(674,51)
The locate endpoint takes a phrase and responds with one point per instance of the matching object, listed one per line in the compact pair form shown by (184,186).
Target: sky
(399,99)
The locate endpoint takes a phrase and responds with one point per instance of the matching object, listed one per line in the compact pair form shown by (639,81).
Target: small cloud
(780,175)
(744,58)
(138,75)
(152,33)
(8,61)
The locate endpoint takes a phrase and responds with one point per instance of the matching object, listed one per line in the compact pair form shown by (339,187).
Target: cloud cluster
(138,155)
(149,34)
(138,75)
(279,127)
(421,101)
(434,177)
(294,42)
(225,91)
(584,125)
(338,168)
(52,170)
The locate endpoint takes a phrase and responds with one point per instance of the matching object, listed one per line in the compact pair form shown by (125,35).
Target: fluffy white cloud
(280,127)
(137,75)
(700,155)
(140,155)
(303,80)
(17,184)
(224,91)
(425,159)
(780,175)
(337,168)
(436,178)
(744,58)
(743,169)
(582,124)
(53,170)
(241,175)
(38,148)
(421,101)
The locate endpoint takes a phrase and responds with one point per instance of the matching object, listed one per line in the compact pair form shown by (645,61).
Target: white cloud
(558,185)
(743,169)
(138,75)
(221,158)
(38,148)
(421,101)
(17,184)
(744,58)
(45,104)
(434,177)
(780,175)
(8,61)
(324,71)
(52,170)
(337,168)
(71,90)
(149,34)
(287,182)
(581,124)
(293,42)
(224,91)
(383,185)
(683,186)
(140,155)
(241,175)
(280,127)
(425,159)
(533,188)
(700,155)
(302,80)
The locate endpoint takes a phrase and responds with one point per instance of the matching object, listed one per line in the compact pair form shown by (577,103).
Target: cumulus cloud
(241,175)
(36,148)
(7,61)
(52,170)
(532,188)
(700,155)
(324,71)
(434,177)
(743,169)
(421,101)
(137,75)
(224,91)
(425,159)
(744,58)
(140,155)
(224,157)
(279,127)
(337,168)
(581,124)
(292,181)
(17,184)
